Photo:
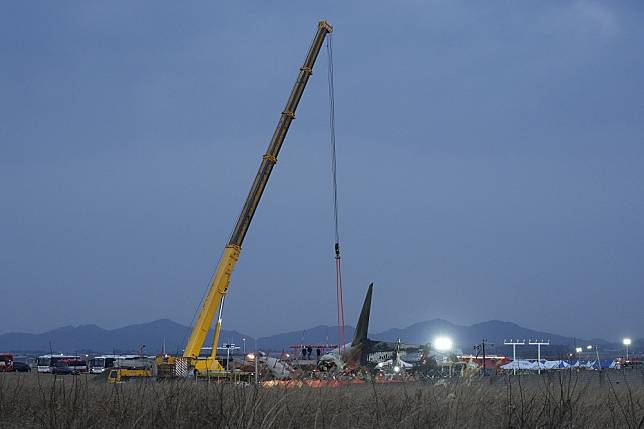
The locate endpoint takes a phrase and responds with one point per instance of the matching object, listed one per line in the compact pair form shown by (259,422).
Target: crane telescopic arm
(219,285)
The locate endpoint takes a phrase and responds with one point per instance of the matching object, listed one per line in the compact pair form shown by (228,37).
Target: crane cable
(338,258)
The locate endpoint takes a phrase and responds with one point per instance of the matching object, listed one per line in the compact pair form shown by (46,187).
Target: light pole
(539,343)
(228,348)
(627,342)
(256,363)
(244,342)
(443,345)
(590,348)
(514,344)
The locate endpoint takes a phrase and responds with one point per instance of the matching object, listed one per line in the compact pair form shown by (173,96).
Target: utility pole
(539,343)
(481,348)
(514,344)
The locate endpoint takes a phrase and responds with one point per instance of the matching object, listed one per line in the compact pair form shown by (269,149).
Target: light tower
(627,342)
(514,344)
(539,343)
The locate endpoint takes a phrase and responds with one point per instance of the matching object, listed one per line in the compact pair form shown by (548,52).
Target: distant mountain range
(91,338)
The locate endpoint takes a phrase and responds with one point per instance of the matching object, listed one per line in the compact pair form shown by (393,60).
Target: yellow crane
(213,302)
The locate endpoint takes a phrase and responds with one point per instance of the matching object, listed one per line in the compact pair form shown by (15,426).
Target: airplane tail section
(362,328)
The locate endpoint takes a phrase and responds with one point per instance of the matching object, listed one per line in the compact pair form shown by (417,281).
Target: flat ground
(562,399)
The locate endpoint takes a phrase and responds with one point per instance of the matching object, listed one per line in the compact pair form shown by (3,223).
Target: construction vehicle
(191,363)
(119,375)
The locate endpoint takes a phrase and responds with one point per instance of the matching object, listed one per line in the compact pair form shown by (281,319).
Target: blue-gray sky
(489,154)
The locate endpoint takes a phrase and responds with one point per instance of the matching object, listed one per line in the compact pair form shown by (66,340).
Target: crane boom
(219,285)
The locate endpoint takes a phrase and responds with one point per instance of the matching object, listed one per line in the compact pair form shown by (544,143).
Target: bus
(45,362)
(100,364)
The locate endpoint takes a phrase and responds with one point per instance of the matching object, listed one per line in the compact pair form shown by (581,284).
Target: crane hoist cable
(338,258)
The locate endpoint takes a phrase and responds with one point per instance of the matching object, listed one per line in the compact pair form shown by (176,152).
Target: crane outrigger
(214,299)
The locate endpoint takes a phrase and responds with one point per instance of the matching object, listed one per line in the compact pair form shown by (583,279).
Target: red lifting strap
(340,302)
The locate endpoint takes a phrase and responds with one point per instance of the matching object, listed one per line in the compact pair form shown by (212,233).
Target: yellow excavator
(190,362)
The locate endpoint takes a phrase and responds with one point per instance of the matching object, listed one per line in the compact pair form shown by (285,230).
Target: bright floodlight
(396,369)
(627,341)
(443,344)
(589,347)
(250,356)
(578,349)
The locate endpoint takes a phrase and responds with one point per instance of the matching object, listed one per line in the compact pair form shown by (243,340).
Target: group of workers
(308,350)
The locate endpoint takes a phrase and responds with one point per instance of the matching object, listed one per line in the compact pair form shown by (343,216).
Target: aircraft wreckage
(362,356)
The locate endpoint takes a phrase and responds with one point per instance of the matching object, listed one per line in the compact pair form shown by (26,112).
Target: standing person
(309,350)
(303,353)
(318,352)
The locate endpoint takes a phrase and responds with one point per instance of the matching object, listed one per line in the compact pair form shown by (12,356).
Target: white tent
(520,364)
(591,364)
(556,364)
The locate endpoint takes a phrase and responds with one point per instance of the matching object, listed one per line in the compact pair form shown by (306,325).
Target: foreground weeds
(558,400)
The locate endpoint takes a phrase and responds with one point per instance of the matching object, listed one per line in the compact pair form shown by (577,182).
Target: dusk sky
(490,163)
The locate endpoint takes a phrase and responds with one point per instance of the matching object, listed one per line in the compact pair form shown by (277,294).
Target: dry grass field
(559,400)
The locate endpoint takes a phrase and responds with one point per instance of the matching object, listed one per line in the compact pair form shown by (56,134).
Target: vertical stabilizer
(360,336)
